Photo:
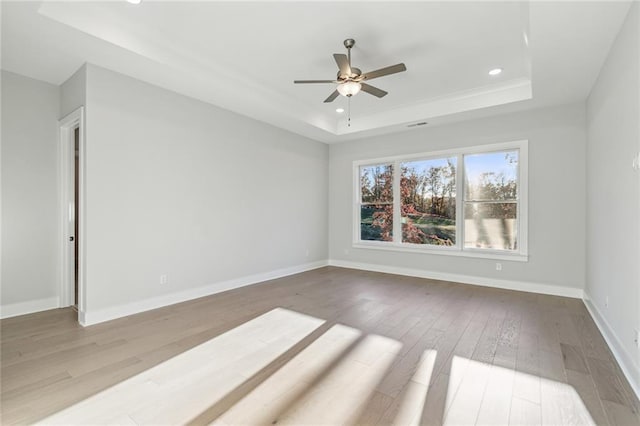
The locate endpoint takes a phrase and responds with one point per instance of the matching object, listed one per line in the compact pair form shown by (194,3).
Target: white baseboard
(15,309)
(102,315)
(81,318)
(530,287)
(630,368)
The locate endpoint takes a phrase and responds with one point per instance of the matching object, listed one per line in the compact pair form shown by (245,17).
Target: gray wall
(556,195)
(29,194)
(179,187)
(613,194)
(73,92)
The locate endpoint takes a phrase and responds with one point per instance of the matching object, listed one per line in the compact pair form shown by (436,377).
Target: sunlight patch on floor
(187,384)
(285,386)
(481,393)
(327,383)
(415,395)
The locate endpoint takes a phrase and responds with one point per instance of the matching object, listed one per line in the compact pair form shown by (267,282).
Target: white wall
(73,92)
(613,196)
(179,187)
(29,203)
(556,199)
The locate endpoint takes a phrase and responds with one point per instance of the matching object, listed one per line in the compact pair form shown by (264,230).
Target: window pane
(428,201)
(376,183)
(491,225)
(376,222)
(491,176)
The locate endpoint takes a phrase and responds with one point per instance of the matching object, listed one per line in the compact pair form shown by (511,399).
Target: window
(466,202)
(491,200)
(376,205)
(428,204)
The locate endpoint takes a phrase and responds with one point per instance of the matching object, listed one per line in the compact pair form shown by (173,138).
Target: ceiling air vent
(422,123)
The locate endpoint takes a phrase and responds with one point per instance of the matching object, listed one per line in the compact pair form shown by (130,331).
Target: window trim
(520,255)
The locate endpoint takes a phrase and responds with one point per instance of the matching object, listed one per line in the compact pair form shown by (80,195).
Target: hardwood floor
(330,346)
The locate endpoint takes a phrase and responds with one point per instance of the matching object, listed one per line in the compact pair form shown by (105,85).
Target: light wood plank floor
(330,346)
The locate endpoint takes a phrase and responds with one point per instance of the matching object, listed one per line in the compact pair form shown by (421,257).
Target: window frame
(520,255)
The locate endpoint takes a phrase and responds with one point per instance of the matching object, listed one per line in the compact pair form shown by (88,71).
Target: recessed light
(495,71)
(134,1)
(339,110)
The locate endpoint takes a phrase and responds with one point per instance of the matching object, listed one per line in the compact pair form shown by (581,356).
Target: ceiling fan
(351,80)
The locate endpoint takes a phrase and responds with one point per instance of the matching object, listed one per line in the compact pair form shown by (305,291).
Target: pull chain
(349,111)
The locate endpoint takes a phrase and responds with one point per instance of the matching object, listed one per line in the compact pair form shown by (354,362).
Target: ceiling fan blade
(343,63)
(332,96)
(384,71)
(373,90)
(313,81)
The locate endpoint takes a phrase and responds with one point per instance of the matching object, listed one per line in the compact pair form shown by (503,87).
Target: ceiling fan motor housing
(355,73)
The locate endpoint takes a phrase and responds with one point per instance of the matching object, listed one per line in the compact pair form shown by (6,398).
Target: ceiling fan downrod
(349,43)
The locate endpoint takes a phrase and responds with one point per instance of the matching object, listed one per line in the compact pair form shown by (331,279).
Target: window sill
(443,251)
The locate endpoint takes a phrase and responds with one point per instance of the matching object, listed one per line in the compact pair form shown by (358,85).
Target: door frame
(66,197)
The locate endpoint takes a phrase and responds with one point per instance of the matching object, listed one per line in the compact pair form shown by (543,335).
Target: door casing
(66,182)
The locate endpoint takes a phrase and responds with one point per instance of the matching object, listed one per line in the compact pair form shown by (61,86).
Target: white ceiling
(244,56)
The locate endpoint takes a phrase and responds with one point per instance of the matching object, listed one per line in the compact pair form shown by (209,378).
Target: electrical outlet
(164,279)
(307,253)
(498,266)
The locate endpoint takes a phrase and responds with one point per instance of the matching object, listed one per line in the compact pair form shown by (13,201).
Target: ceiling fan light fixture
(349,88)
